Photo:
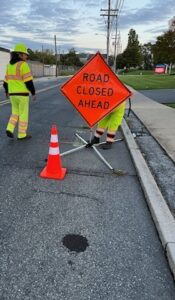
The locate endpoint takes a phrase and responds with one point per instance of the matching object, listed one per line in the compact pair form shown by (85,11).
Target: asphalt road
(161,96)
(121,256)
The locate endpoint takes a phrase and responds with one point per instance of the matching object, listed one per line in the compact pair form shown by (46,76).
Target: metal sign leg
(102,143)
(93,147)
(80,138)
(72,150)
(102,158)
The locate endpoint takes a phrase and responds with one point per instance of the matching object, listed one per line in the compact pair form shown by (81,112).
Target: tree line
(147,55)
(48,57)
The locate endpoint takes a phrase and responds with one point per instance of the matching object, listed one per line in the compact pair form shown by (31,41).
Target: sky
(78,24)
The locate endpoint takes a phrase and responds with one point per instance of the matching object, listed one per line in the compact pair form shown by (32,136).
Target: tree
(120,61)
(71,59)
(45,56)
(164,48)
(132,54)
(147,56)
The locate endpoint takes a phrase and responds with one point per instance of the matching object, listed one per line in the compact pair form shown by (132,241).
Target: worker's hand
(7,95)
(33,97)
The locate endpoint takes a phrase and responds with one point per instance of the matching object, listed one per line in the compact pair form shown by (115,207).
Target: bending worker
(110,123)
(18,83)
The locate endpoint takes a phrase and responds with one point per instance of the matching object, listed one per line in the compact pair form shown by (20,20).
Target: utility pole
(56,60)
(115,45)
(109,13)
(43,58)
(108,29)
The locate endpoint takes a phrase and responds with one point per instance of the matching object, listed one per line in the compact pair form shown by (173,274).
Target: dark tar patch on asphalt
(76,243)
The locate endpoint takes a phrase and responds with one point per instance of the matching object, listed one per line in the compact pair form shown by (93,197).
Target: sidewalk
(159,119)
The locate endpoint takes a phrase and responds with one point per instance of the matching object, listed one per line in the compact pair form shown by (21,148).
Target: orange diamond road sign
(95,90)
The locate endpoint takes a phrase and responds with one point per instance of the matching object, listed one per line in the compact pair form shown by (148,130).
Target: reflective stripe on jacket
(16,76)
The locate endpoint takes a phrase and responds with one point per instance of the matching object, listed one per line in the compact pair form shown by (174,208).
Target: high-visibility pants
(111,123)
(20,113)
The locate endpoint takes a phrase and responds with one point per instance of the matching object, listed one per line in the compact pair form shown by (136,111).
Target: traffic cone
(53,169)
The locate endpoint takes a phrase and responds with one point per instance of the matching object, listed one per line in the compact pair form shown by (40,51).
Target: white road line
(3,102)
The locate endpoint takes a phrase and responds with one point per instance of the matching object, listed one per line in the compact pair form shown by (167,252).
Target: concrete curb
(163,219)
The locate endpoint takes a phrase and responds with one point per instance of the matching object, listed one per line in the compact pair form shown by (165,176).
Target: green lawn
(171,105)
(149,82)
(137,72)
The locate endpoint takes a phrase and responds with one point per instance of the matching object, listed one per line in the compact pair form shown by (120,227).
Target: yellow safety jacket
(16,76)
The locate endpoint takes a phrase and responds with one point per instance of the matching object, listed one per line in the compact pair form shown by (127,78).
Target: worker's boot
(9,134)
(95,140)
(27,137)
(107,146)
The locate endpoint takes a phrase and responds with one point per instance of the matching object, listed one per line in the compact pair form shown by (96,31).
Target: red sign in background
(95,90)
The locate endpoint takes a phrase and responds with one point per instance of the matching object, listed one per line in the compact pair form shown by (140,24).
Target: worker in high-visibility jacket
(110,123)
(18,84)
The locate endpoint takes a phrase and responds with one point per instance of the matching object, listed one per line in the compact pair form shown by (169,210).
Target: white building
(4,59)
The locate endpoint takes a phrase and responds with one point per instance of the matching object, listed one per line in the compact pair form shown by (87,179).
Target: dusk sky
(78,24)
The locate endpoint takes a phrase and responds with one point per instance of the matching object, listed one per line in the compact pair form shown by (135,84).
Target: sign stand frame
(93,147)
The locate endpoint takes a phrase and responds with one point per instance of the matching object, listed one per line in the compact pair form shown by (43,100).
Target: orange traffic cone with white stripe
(53,169)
